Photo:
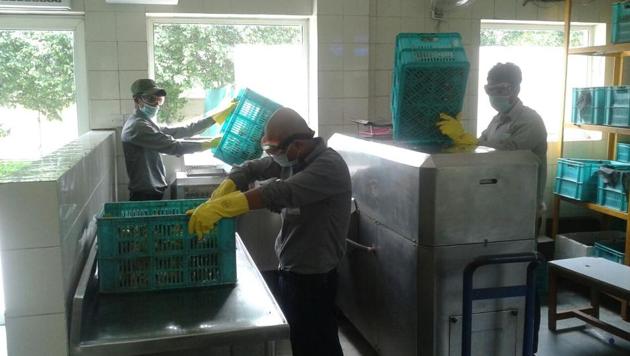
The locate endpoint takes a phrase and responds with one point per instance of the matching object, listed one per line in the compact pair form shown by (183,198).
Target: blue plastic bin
(244,128)
(579,170)
(618,106)
(574,190)
(620,22)
(145,246)
(429,78)
(611,250)
(589,106)
(623,152)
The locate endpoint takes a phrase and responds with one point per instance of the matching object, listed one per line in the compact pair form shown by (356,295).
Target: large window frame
(61,23)
(307,53)
(596,34)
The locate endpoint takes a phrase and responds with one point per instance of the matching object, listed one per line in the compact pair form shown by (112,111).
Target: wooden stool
(601,276)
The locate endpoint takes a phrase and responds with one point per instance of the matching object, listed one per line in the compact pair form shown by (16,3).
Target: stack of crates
(577,178)
(620,22)
(145,246)
(244,128)
(429,78)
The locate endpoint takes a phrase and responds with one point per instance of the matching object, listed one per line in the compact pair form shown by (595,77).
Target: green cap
(146,87)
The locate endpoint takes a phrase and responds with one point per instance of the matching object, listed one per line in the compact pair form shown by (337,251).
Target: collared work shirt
(314,200)
(143,141)
(521,128)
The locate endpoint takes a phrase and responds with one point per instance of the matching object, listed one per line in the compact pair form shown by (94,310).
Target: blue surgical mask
(149,110)
(501,104)
(283,160)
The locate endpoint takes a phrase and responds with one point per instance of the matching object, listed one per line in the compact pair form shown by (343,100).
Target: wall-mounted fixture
(439,7)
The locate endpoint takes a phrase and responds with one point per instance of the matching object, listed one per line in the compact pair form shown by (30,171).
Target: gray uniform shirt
(521,128)
(143,141)
(314,199)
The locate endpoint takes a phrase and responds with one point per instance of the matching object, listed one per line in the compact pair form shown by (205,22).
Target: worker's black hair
(505,73)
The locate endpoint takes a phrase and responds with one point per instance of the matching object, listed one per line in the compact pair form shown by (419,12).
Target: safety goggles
(500,89)
(274,148)
(152,99)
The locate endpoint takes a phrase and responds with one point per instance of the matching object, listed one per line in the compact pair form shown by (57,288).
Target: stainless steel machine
(197,182)
(427,215)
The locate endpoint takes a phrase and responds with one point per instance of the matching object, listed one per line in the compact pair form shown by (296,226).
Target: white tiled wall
(46,225)
(355,45)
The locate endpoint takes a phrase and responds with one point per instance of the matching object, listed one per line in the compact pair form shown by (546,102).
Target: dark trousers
(308,303)
(140,196)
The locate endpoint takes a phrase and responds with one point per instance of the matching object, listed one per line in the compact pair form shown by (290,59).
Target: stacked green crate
(429,77)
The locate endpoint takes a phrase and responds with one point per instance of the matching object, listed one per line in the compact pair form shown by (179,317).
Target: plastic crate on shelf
(589,106)
(611,250)
(620,22)
(428,79)
(579,170)
(618,106)
(611,189)
(244,128)
(145,246)
(623,152)
(574,190)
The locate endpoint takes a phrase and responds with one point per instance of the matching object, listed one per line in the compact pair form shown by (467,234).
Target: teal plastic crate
(574,190)
(620,22)
(618,106)
(579,170)
(244,128)
(611,250)
(145,246)
(427,80)
(623,152)
(589,106)
(612,198)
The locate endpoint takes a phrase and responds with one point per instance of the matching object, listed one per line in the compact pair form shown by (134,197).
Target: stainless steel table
(229,320)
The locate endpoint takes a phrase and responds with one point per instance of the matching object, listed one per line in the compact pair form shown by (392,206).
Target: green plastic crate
(428,79)
(611,250)
(244,128)
(145,246)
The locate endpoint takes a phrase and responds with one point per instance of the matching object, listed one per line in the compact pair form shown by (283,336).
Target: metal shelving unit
(618,52)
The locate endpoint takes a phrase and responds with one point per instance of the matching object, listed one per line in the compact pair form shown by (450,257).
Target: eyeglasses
(152,99)
(500,89)
(273,148)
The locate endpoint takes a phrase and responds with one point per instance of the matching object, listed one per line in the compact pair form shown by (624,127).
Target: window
(202,62)
(40,104)
(537,48)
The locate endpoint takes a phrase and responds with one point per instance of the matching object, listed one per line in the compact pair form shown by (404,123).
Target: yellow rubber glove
(206,215)
(226,187)
(212,143)
(452,128)
(220,116)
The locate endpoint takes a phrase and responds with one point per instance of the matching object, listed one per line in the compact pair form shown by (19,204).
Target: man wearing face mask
(312,191)
(143,140)
(515,127)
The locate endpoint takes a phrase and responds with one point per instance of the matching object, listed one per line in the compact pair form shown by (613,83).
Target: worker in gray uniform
(515,127)
(143,140)
(312,191)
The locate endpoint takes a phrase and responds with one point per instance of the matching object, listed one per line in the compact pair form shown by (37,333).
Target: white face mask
(283,160)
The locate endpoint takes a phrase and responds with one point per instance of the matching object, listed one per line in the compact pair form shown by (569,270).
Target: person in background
(312,191)
(515,127)
(143,140)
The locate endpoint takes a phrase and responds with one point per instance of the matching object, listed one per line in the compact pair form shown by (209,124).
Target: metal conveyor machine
(428,215)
